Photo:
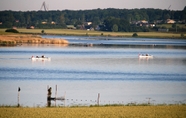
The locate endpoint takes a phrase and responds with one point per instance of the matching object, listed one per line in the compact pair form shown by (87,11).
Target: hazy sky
(35,5)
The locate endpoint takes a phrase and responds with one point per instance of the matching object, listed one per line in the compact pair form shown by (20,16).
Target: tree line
(108,19)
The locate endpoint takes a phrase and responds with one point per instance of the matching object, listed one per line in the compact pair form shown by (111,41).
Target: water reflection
(114,71)
(50,98)
(113,41)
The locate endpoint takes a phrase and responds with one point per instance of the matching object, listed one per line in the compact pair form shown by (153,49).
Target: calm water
(80,72)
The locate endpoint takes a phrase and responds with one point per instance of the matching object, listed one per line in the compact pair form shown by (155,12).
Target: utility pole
(169,7)
(44,6)
(98,99)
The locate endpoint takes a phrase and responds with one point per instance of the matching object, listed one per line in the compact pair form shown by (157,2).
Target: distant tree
(124,25)
(120,17)
(184,13)
(182,35)
(61,19)
(135,35)
(115,28)
(174,25)
(12,30)
(42,31)
(95,22)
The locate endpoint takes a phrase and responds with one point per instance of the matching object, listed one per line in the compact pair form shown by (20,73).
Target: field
(170,25)
(173,111)
(99,33)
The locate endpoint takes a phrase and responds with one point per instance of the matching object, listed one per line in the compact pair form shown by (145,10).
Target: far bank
(180,35)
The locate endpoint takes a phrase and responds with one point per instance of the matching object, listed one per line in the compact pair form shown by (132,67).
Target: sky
(35,5)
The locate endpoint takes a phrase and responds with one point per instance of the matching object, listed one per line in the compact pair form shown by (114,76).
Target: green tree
(95,22)
(61,19)
(115,28)
(135,35)
(174,25)
(184,13)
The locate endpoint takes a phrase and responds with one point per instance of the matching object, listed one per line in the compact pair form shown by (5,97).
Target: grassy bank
(173,111)
(100,33)
(32,36)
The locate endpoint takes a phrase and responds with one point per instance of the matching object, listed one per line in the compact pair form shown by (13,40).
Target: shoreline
(157,35)
(69,32)
(95,105)
(34,37)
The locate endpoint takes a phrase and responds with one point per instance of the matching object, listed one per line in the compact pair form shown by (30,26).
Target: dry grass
(32,39)
(97,112)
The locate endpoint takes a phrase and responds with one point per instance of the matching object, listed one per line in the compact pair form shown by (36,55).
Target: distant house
(144,21)
(169,21)
(163,30)
(53,22)
(182,21)
(87,23)
(158,21)
(97,28)
(14,27)
(140,23)
(43,22)
(71,27)
(30,27)
(152,25)
(88,27)
(80,27)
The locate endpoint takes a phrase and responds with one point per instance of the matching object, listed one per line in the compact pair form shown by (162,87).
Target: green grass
(170,25)
(99,33)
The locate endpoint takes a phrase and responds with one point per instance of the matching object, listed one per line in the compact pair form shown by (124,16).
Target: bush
(182,35)
(12,30)
(42,31)
(135,35)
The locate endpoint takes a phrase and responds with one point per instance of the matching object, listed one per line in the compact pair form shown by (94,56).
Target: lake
(90,66)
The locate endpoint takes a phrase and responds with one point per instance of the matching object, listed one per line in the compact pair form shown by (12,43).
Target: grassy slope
(97,112)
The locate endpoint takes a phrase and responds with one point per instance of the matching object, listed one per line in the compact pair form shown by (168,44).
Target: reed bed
(30,39)
(174,111)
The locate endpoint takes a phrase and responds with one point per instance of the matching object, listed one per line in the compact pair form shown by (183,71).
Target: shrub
(135,35)
(42,31)
(12,30)
(182,35)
